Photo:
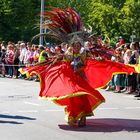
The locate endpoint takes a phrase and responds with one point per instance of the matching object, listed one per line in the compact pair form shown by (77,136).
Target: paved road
(24,117)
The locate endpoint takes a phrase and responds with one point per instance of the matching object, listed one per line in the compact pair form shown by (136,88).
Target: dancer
(73,92)
(71,79)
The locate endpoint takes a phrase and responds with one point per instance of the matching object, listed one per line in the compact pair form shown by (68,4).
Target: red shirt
(10,57)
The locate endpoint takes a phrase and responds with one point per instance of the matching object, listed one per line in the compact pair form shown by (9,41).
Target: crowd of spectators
(23,54)
(127,53)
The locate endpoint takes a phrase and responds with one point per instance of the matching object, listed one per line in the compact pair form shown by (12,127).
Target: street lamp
(41,22)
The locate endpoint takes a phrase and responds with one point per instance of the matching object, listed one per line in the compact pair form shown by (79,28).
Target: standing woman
(3,57)
(16,61)
(10,59)
(118,77)
(134,60)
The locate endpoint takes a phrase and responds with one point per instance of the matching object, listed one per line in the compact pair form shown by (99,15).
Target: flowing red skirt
(60,84)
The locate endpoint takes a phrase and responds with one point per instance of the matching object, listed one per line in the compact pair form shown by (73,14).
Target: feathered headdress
(63,24)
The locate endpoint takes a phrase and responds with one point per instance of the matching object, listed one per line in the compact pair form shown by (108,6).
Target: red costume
(58,80)
(60,84)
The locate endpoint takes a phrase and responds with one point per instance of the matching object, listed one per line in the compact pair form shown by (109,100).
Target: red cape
(99,73)
(60,84)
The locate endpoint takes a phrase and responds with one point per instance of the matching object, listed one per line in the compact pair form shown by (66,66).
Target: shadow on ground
(107,125)
(11,122)
(14,117)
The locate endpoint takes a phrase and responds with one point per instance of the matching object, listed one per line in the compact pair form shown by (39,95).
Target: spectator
(16,61)
(23,50)
(10,59)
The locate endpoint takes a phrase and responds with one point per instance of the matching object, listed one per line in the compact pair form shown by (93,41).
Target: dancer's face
(76,47)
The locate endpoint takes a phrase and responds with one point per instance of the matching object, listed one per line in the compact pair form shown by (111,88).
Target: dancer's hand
(99,58)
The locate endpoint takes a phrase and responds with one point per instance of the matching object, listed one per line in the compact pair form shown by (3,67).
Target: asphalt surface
(23,116)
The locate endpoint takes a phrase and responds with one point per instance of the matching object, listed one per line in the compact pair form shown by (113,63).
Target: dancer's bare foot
(72,123)
(82,122)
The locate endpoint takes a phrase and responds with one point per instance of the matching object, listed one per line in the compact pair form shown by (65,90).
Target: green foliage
(131,17)
(19,18)
(115,18)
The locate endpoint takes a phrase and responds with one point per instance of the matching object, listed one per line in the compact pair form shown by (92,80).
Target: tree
(130,20)
(18,19)
(103,18)
(115,18)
